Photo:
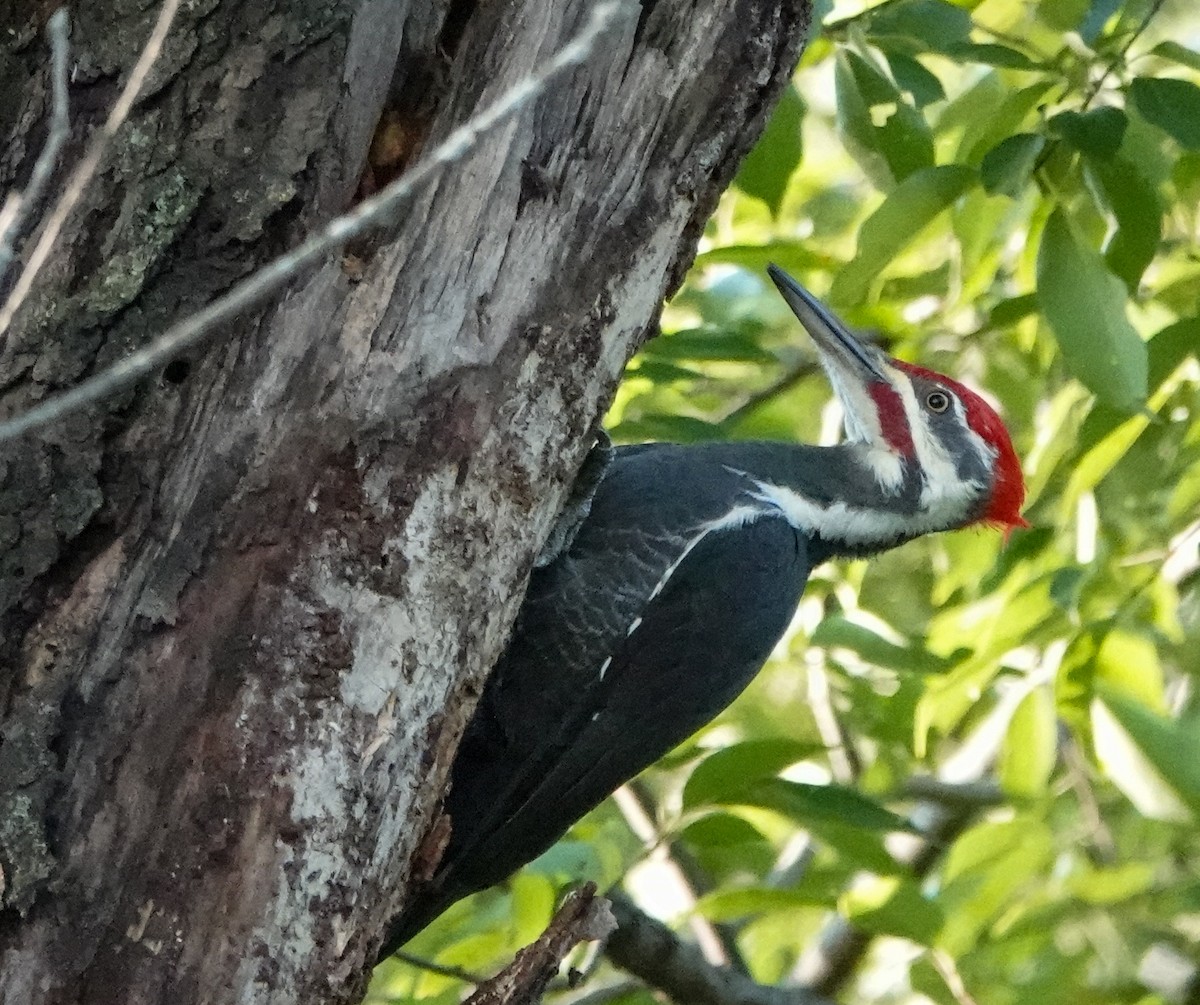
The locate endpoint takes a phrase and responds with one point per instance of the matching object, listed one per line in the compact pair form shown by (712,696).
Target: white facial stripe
(943,492)
(861,419)
(931,455)
(888,468)
(986,452)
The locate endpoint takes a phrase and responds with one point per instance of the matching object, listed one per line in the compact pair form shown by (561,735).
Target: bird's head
(910,421)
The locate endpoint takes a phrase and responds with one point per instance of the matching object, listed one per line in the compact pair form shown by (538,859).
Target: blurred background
(1009,192)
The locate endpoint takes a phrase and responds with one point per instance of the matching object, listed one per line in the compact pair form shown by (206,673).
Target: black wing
(643,632)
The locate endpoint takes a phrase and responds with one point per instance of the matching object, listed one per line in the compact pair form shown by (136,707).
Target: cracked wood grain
(246,606)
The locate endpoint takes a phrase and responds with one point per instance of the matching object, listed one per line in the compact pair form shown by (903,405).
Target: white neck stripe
(853,525)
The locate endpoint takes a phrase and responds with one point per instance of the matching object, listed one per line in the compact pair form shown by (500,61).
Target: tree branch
(651,951)
(583,917)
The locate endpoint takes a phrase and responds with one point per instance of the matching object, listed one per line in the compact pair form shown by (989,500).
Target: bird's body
(668,597)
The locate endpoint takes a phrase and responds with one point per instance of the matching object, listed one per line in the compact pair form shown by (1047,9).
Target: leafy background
(1008,191)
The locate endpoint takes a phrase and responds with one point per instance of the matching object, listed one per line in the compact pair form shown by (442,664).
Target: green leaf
(1099,11)
(855,127)
(1005,169)
(882,130)
(1112,885)
(835,631)
(1146,751)
(1166,349)
(565,859)
(532,904)
(1128,663)
(896,223)
(927,24)
(1085,306)
(1134,202)
(987,868)
(726,843)
(1030,748)
(1063,15)
(912,77)
(765,173)
(1171,346)
(807,804)
(893,906)
(476,952)
(992,54)
(793,256)
(1177,54)
(723,774)
(678,428)
(1097,133)
(1009,312)
(863,847)
(724,830)
(1065,587)
(730,905)
(708,344)
(987,126)
(1172,105)
(662,372)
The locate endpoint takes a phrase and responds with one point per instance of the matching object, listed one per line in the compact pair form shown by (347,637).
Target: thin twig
(845,764)
(717,941)
(370,212)
(19,205)
(944,964)
(90,164)
(456,973)
(1101,843)
(789,379)
(1119,58)
(979,794)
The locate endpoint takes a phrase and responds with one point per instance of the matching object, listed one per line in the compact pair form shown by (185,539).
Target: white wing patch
(739,516)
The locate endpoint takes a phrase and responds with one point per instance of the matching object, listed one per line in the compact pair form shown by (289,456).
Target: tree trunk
(246,607)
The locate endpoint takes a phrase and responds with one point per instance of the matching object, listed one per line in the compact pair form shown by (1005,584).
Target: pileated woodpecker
(675,576)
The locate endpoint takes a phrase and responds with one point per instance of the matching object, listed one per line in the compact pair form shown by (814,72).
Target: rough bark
(246,606)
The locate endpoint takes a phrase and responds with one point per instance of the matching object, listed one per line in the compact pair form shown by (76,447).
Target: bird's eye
(938,401)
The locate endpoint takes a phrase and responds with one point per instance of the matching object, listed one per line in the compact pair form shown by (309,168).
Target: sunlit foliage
(1008,191)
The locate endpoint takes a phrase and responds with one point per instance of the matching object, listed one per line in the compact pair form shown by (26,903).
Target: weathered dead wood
(583,917)
(245,607)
